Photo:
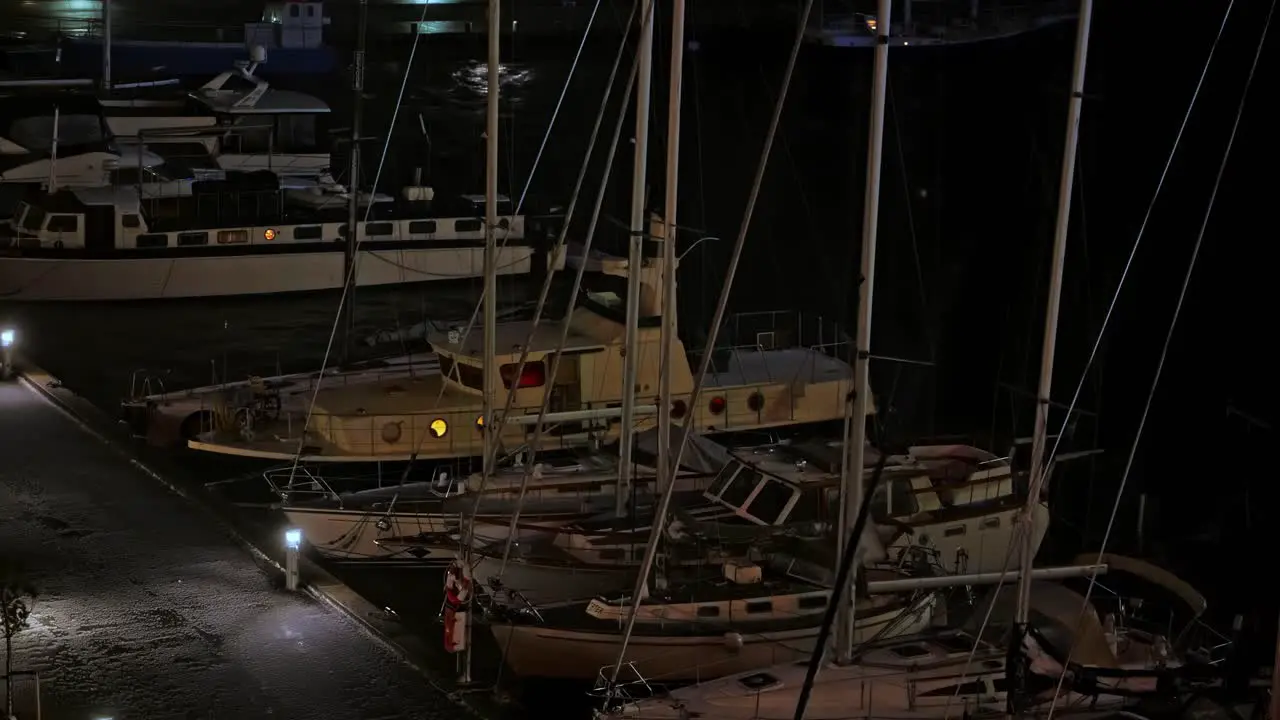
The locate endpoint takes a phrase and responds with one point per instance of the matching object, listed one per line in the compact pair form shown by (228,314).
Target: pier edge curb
(319,584)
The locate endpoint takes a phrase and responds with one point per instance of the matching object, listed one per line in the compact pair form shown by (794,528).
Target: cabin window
(771,502)
(63,223)
(736,493)
(812,602)
(151,240)
(342,230)
(232,237)
(534,374)
(708,611)
(380,228)
(34,219)
(990,523)
(760,606)
(909,651)
(468,375)
(467,226)
(894,498)
(422,227)
(293,10)
(611,554)
(189,239)
(723,479)
(308,232)
(130,221)
(311,11)
(954,531)
(975,687)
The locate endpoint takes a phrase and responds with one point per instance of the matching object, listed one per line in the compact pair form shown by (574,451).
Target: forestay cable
(1142,229)
(704,365)
(404,82)
(1168,340)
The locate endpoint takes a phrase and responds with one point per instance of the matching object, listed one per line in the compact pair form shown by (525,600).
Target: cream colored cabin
(438,416)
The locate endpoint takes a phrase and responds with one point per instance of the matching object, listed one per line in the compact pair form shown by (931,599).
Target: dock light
(479,422)
(438,428)
(269,234)
(292,543)
(7,337)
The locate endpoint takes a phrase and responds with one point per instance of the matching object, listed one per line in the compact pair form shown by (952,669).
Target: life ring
(457,585)
(457,597)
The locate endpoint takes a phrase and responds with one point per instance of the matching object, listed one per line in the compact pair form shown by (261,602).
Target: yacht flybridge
(760,385)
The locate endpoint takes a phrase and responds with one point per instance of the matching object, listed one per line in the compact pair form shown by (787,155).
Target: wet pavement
(147,608)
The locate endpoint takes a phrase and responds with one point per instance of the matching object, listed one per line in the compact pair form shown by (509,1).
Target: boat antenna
(1168,338)
(577,285)
(860,401)
(845,571)
(635,261)
(668,333)
(53,152)
(350,257)
(106,44)
(704,364)
(1017,700)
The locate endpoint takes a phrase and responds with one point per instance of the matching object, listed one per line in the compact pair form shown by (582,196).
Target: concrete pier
(148,608)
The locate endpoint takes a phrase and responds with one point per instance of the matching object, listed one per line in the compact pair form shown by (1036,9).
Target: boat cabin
(243,213)
(58,140)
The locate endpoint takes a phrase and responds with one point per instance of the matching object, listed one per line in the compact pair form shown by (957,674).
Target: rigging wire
(704,365)
(577,281)
(1142,229)
(1168,339)
(404,82)
(1115,297)
(355,261)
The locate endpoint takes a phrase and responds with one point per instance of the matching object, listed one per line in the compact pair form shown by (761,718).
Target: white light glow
(293,538)
(6,338)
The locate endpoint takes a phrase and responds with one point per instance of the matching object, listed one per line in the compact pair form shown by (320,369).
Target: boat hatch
(759,681)
(752,495)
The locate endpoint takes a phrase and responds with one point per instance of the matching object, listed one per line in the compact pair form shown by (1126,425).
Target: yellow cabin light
(269,234)
(438,428)
(479,422)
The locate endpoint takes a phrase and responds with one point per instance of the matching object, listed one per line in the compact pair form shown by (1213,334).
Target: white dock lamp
(8,338)
(292,545)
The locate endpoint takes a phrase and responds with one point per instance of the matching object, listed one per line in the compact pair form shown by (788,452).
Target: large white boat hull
(152,278)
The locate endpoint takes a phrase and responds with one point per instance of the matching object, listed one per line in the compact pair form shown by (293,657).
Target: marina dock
(150,604)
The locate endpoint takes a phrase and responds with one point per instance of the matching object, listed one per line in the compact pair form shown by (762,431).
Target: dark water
(972,158)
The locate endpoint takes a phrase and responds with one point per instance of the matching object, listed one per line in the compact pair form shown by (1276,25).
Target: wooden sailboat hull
(364,535)
(580,655)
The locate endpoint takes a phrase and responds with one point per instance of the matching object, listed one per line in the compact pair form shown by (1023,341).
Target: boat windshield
(34,219)
(753,495)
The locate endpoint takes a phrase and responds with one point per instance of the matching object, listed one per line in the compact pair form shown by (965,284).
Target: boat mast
(855,441)
(666,473)
(106,44)
(490,275)
(353,187)
(1040,436)
(635,259)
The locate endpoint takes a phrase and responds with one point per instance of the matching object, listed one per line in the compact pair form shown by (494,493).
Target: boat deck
(763,367)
